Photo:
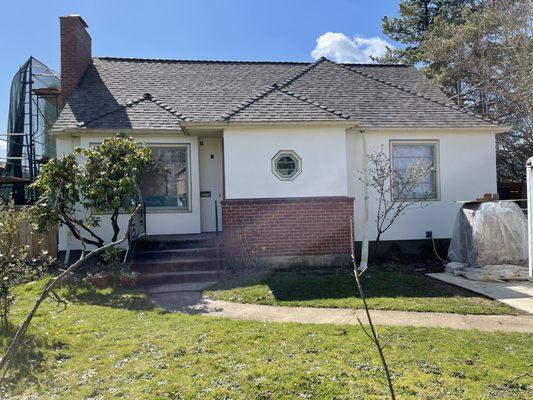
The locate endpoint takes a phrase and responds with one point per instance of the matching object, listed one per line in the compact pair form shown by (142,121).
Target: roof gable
(144,112)
(375,102)
(278,104)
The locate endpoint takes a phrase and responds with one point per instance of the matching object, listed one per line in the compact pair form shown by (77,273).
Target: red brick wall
(76,53)
(288,227)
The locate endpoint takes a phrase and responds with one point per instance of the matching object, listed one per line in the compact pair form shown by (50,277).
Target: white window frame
(285,153)
(436,156)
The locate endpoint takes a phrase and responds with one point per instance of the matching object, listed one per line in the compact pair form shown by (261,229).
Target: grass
(384,291)
(112,344)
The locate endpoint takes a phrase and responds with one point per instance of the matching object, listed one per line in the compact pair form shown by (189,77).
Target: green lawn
(384,291)
(113,344)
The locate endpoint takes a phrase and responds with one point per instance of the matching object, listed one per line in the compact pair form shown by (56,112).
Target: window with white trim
(166,183)
(286,165)
(407,155)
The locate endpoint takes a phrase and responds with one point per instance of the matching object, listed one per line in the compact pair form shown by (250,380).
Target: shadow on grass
(292,286)
(28,358)
(124,298)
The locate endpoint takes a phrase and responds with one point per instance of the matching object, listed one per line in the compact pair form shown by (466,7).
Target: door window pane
(166,182)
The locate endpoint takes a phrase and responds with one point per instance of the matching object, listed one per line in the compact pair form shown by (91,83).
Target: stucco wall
(331,166)
(467,170)
(248,153)
(157,222)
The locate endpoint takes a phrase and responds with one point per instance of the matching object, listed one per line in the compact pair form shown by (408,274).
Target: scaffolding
(33,108)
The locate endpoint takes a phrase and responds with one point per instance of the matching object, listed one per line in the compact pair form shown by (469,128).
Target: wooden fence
(38,242)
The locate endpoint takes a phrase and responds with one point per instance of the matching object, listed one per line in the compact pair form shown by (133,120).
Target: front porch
(183,188)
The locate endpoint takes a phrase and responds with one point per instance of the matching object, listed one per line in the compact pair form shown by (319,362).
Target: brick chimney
(76,53)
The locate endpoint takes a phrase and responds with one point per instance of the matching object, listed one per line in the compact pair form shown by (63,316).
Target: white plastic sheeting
(489,242)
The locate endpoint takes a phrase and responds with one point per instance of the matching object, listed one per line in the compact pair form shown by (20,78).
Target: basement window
(286,165)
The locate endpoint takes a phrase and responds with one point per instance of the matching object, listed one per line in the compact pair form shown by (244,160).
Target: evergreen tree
(480,53)
(415,21)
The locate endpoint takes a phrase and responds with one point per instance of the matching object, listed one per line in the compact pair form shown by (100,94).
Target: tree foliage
(70,188)
(101,178)
(481,53)
(416,18)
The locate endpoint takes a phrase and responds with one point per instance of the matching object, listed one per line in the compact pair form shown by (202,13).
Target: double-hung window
(416,162)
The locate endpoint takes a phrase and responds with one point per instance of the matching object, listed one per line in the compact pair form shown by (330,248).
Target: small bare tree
(397,192)
(373,334)
(249,255)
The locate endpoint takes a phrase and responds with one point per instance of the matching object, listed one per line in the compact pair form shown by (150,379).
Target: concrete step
(175,265)
(173,242)
(174,254)
(177,277)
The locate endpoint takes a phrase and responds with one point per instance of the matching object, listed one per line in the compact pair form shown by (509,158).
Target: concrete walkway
(517,294)
(189,299)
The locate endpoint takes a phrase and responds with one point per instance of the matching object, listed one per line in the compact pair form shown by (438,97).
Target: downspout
(363,265)
(529,180)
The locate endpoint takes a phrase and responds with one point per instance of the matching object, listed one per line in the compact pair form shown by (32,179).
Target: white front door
(211,183)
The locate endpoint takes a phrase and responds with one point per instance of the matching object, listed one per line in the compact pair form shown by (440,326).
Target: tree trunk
(373,336)
(375,247)
(114,224)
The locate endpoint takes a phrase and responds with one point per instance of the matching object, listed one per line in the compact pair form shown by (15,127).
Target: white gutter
(438,129)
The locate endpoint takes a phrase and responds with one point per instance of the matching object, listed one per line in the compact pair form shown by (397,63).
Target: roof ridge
(403,65)
(173,60)
(188,60)
(165,106)
(248,102)
(383,81)
(314,103)
(132,103)
(301,73)
(271,88)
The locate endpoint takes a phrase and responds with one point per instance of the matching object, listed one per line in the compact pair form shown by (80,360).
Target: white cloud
(340,48)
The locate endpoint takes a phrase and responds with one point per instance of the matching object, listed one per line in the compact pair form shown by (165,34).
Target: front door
(211,183)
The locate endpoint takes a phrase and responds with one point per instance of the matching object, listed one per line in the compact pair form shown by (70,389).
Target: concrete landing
(517,294)
(183,297)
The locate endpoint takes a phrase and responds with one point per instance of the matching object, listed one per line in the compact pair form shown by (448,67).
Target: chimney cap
(82,21)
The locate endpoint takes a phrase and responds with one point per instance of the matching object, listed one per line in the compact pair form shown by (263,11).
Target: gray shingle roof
(145,112)
(111,95)
(278,104)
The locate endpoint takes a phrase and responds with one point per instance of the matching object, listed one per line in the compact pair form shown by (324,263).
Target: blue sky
(346,30)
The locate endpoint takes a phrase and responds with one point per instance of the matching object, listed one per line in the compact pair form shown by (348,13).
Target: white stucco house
(278,146)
